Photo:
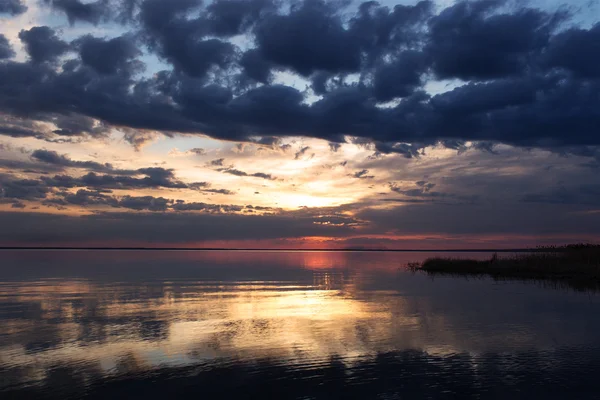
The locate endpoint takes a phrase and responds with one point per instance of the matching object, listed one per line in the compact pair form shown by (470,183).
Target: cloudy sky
(266,123)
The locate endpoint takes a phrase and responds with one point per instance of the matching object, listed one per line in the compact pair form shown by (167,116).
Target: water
(307,325)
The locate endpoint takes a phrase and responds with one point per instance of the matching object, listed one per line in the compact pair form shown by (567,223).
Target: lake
(268,324)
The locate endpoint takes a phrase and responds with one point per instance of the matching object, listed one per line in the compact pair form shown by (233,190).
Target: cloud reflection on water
(305,309)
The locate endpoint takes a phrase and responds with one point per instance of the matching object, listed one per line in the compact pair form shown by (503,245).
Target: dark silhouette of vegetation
(578,265)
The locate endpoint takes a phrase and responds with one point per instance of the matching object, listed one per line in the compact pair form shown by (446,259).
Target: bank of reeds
(576,264)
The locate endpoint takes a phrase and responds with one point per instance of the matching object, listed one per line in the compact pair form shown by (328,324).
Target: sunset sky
(308,124)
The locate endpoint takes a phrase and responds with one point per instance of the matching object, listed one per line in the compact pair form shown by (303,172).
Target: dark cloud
(219,191)
(218,162)
(86,198)
(109,179)
(423,189)
(12,7)
(22,189)
(138,139)
(169,227)
(61,160)
(60,181)
(77,125)
(198,57)
(205,187)
(301,152)
(233,17)
(109,56)
(76,10)
(576,50)
(180,40)
(523,88)
(212,208)
(255,66)
(363,174)
(144,203)
(334,147)
(584,194)
(6,50)
(486,218)
(43,44)
(237,172)
(400,77)
(199,185)
(469,41)
(308,39)
(381,31)
(155,177)
(29,166)
(16,127)
(104,198)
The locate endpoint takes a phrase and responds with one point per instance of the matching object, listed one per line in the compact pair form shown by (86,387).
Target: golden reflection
(123,327)
(77,322)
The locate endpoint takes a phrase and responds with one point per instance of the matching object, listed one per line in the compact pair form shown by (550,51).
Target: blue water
(306,325)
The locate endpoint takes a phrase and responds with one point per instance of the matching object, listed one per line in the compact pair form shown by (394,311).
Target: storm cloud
(528,80)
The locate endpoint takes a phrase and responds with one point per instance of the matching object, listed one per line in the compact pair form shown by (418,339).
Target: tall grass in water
(578,264)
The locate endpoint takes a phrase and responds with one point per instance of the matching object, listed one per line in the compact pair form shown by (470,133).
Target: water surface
(135,324)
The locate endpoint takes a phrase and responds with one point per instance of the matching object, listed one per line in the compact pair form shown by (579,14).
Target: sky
(299,124)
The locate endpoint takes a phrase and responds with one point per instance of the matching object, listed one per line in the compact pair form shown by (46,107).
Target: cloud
(527,79)
(334,147)
(583,194)
(233,17)
(423,189)
(399,78)
(110,56)
(157,227)
(470,40)
(485,218)
(256,67)
(575,50)
(206,188)
(76,10)
(6,50)
(301,152)
(219,191)
(43,44)
(155,177)
(52,157)
(213,208)
(144,203)
(362,174)
(139,139)
(22,189)
(12,7)
(237,172)
(180,41)
(308,39)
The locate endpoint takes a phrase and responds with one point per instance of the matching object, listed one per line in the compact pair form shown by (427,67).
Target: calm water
(308,325)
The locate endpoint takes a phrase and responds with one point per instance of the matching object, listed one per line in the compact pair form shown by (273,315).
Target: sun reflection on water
(325,306)
(74,322)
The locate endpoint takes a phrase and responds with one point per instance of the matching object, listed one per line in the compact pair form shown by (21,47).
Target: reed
(575,263)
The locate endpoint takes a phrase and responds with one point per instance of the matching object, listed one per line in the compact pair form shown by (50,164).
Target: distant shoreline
(521,250)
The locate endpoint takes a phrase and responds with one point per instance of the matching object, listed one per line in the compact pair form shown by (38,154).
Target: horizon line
(349,249)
